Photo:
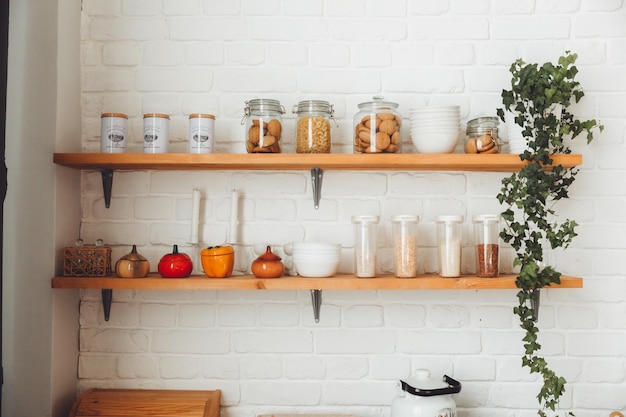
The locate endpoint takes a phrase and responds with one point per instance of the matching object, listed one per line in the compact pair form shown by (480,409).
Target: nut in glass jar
(313,130)
(482,136)
(264,126)
(377,127)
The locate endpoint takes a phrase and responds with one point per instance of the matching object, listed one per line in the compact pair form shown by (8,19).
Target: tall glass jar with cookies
(264,125)
(377,127)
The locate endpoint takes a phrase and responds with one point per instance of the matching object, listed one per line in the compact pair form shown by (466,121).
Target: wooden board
(147,403)
(278,162)
(338,282)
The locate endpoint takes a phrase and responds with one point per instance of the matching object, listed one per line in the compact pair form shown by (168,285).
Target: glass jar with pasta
(313,129)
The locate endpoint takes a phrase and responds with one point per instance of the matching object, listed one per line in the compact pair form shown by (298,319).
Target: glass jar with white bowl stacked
(435,129)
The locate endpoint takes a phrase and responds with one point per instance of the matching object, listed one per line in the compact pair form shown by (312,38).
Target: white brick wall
(263,349)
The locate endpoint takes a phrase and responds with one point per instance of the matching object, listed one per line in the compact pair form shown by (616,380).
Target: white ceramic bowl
(434,114)
(437,129)
(303,258)
(432,143)
(312,246)
(435,109)
(316,269)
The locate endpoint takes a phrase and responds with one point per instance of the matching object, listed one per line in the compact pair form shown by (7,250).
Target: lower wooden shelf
(338,282)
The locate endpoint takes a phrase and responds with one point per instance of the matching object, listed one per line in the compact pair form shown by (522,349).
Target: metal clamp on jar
(264,125)
(313,130)
(482,135)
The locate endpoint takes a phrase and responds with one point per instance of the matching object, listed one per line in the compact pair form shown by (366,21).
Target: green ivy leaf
(528,196)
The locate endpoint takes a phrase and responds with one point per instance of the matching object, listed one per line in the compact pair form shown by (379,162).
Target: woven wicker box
(87,261)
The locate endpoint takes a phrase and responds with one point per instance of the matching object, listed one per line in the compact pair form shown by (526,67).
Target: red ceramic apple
(175,265)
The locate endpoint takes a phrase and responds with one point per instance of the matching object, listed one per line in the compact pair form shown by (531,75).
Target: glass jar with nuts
(482,135)
(377,127)
(313,130)
(264,125)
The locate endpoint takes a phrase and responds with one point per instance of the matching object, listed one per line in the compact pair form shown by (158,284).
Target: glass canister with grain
(487,243)
(377,127)
(264,125)
(313,129)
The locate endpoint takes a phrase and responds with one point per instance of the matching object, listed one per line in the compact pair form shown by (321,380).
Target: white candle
(234,213)
(195,215)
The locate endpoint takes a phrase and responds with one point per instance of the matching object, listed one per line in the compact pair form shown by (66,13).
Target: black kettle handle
(454,387)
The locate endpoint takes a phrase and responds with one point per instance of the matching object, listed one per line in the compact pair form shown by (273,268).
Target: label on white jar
(113,132)
(156,127)
(201,133)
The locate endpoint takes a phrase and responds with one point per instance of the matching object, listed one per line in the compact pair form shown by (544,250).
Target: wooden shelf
(277,162)
(315,163)
(339,282)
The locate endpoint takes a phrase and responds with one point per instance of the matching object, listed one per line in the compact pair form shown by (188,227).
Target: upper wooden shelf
(284,161)
(339,282)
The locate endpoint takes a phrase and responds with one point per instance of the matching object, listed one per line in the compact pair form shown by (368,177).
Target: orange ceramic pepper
(218,261)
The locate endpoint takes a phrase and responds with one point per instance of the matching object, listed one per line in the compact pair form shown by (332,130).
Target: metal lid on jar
(378,103)
(313,106)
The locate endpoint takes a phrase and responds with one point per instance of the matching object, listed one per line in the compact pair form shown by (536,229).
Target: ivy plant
(539,98)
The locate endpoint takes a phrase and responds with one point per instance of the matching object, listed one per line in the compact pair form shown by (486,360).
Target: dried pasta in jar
(313,130)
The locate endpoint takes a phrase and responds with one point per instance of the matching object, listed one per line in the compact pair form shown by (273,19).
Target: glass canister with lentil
(313,129)
(264,125)
(377,127)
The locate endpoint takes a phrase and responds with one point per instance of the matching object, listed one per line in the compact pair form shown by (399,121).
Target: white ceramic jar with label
(156,132)
(201,133)
(113,132)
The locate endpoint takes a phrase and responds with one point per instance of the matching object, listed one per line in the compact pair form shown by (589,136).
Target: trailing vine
(539,98)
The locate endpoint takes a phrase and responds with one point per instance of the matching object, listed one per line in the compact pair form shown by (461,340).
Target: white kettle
(425,397)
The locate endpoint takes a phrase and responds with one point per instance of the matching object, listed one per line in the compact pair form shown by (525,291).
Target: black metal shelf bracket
(107,298)
(316,300)
(107,185)
(535,302)
(316,178)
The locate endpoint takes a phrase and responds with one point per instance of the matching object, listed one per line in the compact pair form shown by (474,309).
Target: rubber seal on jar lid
(486,218)
(449,218)
(405,218)
(365,218)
